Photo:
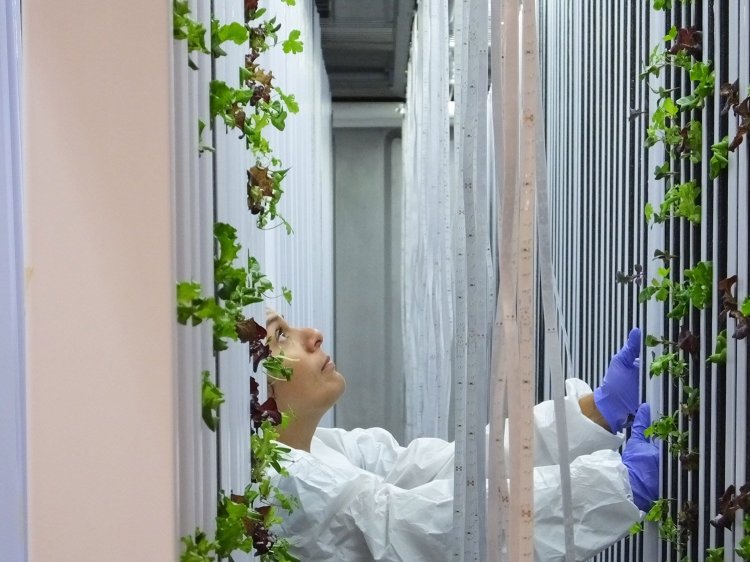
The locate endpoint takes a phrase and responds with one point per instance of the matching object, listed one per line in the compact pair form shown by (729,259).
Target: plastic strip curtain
(212,186)
(521,152)
(426,244)
(468,243)
(457,245)
(12,425)
(473,268)
(546,274)
(505,101)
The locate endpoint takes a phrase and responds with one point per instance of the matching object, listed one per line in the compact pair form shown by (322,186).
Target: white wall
(99,280)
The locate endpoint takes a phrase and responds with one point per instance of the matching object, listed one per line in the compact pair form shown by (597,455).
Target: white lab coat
(363,497)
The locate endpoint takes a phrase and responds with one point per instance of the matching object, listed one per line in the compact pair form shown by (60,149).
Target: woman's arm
(348,514)
(603,508)
(377,451)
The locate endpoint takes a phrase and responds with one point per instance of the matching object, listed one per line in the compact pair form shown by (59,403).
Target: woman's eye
(281,337)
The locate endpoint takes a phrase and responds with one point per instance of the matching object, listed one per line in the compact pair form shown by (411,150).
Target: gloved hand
(617,397)
(641,457)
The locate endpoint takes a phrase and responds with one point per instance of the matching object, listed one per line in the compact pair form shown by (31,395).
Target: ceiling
(366,47)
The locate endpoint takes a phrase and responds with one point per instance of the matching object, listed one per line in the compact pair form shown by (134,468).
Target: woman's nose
(313,339)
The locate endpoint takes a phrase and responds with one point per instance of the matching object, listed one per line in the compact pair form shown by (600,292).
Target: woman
(363,497)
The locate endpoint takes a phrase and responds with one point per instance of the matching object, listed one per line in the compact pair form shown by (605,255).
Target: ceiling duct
(366,47)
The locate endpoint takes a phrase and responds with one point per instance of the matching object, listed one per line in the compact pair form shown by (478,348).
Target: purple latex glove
(617,397)
(641,457)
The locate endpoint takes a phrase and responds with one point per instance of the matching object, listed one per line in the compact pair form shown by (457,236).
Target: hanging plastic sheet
(472,284)
(426,258)
(522,187)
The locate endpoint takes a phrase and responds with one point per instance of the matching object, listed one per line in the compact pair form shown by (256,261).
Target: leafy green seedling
(666,429)
(186,28)
(719,356)
(669,363)
(681,201)
(293,44)
(198,548)
(743,548)
(719,157)
(211,399)
(691,401)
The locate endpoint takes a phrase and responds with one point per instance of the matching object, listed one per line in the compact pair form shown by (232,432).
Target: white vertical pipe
(576,185)
(709,324)
(743,269)
(732,249)
(193,204)
(655,322)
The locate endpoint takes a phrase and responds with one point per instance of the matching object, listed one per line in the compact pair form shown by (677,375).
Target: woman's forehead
(272,316)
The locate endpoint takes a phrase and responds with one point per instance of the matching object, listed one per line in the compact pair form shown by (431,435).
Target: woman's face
(315,384)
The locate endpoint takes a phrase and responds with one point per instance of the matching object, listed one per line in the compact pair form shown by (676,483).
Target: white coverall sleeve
(603,510)
(375,450)
(584,435)
(425,459)
(349,515)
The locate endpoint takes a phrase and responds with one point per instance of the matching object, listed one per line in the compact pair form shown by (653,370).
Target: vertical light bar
(655,323)
(625,258)
(732,249)
(743,269)
(583,354)
(714,494)
(641,48)
(601,193)
(709,323)
(574,152)
(13,532)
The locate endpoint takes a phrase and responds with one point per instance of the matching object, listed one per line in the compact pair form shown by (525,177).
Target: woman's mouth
(328,363)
